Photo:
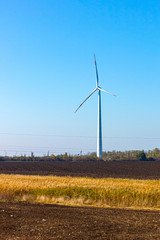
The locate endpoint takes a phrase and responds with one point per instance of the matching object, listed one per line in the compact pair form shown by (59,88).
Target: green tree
(141,156)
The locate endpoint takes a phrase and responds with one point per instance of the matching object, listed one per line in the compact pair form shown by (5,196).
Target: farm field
(122,169)
(81,191)
(27,221)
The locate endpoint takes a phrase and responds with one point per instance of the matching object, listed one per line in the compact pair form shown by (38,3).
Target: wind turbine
(99,126)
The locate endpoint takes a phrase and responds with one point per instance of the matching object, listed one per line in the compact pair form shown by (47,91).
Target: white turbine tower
(99,127)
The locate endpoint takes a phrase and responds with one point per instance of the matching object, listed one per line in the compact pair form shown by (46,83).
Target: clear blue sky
(47,70)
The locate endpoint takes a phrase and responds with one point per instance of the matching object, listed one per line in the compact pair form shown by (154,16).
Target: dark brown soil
(27,221)
(121,169)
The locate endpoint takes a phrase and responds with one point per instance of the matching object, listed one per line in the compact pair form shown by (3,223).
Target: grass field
(81,191)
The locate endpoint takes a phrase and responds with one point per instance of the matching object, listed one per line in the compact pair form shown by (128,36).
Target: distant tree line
(151,155)
(134,155)
(51,158)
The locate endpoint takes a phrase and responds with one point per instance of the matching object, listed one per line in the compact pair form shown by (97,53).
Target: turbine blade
(96,71)
(86,98)
(107,92)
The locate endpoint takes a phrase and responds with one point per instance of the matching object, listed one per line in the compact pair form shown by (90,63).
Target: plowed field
(122,169)
(27,222)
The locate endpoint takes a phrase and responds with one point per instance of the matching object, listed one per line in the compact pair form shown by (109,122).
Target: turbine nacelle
(97,88)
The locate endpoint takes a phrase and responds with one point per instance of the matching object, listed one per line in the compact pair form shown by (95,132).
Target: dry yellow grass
(81,191)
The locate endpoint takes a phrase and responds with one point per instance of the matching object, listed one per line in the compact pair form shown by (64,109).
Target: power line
(64,136)
(14,148)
